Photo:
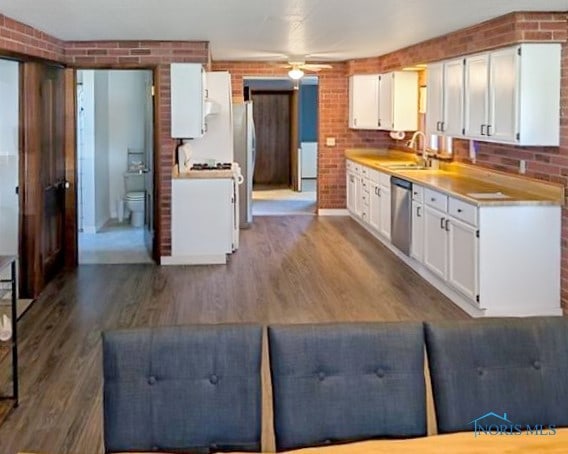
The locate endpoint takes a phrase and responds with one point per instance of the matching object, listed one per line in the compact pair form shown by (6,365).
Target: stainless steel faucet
(413,143)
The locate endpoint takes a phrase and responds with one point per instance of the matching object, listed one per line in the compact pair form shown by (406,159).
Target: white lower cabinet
(435,242)
(351,191)
(463,256)
(417,241)
(375,206)
(385,211)
(451,249)
(202,220)
(491,260)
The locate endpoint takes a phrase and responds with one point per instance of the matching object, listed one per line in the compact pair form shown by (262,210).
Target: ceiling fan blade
(316,66)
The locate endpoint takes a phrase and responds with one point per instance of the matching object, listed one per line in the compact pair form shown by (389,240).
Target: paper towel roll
(5,328)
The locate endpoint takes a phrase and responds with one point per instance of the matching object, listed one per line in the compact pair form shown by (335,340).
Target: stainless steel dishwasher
(401,214)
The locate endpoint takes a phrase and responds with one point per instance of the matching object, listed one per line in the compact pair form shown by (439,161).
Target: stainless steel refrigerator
(245,152)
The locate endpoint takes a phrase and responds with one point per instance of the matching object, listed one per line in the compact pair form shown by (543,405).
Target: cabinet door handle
(442,220)
(379,123)
(437,126)
(447,226)
(488,130)
(459,210)
(378,191)
(351,178)
(442,126)
(432,199)
(354,122)
(482,130)
(418,215)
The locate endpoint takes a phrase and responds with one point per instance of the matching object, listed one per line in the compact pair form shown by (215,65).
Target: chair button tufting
(480,371)
(380,373)
(537,365)
(321,376)
(214,379)
(151,381)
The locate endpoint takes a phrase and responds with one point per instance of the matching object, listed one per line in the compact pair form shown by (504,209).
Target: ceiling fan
(298,67)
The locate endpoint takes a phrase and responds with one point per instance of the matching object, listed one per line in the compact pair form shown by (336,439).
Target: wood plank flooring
(287,270)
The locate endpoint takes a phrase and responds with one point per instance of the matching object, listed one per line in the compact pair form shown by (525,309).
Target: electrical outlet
(330,142)
(522,166)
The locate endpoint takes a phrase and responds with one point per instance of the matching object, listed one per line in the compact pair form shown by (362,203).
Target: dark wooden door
(272,116)
(43,214)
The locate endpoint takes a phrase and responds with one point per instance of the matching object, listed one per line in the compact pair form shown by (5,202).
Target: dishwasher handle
(395,181)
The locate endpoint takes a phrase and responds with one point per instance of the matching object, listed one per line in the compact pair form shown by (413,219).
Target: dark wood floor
(287,270)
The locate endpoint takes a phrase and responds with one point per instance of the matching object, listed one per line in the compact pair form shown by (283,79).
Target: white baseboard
(333,212)
(194,260)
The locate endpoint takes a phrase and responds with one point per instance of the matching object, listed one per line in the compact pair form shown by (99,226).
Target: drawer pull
(418,215)
(433,199)
(442,223)
(459,210)
(447,225)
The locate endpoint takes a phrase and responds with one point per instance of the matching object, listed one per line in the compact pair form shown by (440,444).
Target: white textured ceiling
(267,29)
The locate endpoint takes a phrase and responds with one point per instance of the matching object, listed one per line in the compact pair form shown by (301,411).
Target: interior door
(149,161)
(52,170)
(272,120)
(42,175)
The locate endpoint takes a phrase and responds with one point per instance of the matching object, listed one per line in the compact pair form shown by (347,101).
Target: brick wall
(147,54)
(19,38)
(333,92)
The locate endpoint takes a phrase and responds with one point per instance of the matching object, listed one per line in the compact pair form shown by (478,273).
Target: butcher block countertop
(470,183)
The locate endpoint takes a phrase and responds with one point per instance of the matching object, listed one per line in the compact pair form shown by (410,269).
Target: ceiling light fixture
(295,73)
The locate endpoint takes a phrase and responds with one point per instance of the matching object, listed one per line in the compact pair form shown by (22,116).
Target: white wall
(86,152)
(101,162)
(9,124)
(127,107)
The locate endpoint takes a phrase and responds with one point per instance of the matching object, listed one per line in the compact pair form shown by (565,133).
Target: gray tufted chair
(345,382)
(517,367)
(182,389)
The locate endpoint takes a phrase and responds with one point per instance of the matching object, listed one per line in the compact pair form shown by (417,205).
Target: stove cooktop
(218,166)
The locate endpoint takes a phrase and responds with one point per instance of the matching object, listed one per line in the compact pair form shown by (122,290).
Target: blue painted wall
(308,113)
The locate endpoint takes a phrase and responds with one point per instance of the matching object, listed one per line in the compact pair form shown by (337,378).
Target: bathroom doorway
(115,149)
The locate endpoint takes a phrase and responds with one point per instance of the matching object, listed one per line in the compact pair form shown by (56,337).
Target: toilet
(135,197)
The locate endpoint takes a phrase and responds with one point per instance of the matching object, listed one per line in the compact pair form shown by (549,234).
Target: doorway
(285,116)
(9,177)
(115,149)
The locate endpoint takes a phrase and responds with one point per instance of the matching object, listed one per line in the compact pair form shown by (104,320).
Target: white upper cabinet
(444,110)
(512,95)
(435,98)
(364,101)
(386,101)
(503,83)
(188,94)
(398,101)
(452,121)
(476,95)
